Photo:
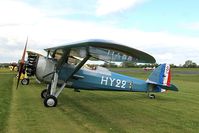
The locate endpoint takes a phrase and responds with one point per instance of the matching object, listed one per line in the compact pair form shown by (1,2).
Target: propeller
(21,64)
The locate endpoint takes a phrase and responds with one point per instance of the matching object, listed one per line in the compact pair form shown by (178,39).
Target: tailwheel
(76,90)
(25,81)
(152,96)
(44,93)
(50,101)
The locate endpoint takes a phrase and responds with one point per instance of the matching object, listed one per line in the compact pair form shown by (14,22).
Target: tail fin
(161,78)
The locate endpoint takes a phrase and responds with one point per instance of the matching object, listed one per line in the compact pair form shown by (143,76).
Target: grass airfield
(22,110)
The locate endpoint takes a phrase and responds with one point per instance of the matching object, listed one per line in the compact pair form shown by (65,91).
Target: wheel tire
(76,90)
(152,96)
(25,81)
(44,93)
(50,101)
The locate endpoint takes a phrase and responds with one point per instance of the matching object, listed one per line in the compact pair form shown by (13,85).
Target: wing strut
(55,78)
(78,67)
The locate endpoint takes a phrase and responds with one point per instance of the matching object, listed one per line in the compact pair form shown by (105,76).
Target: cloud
(50,32)
(105,7)
(45,31)
(191,26)
(17,12)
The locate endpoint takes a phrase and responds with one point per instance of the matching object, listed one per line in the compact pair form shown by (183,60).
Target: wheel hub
(50,102)
(25,81)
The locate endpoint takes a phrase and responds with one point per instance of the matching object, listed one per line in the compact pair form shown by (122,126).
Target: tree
(111,65)
(129,64)
(193,65)
(173,66)
(190,64)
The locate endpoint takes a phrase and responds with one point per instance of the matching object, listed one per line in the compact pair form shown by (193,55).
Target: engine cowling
(44,69)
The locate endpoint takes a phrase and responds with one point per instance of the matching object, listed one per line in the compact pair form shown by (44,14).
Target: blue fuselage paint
(102,80)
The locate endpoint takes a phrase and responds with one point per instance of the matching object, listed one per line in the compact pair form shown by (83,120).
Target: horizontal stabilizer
(171,87)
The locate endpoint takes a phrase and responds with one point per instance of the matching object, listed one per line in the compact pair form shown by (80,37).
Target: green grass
(5,98)
(99,111)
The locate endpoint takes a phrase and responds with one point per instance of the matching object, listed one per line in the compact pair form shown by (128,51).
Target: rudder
(161,78)
(161,75)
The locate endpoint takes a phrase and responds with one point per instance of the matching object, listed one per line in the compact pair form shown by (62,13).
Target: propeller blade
(19,74)
(21,64)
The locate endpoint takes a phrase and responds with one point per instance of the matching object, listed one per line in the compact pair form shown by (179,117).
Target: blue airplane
(65,66)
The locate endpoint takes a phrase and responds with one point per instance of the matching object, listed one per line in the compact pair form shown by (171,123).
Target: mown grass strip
(28,113)
(5,98)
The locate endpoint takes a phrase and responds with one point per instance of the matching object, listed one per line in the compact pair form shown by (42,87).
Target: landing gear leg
(51,99)
(150,89)
(53,92)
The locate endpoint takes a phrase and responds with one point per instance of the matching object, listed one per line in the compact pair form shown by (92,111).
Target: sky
(166,29)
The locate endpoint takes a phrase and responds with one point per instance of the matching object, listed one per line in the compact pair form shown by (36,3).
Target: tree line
(187,64)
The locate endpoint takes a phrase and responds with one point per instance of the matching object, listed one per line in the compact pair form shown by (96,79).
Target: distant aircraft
(13,66)
(64,66)
(148,68)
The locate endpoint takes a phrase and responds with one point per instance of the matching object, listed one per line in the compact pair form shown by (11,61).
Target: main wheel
(50,101)
(44,93)
(25,81)
(152,96)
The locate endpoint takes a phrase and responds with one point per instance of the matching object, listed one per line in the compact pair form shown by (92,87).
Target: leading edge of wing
(141,56)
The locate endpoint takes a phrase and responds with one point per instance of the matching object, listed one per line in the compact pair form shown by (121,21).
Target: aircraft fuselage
(101,79)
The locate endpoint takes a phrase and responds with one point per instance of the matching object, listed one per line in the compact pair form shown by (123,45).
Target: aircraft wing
(105,50)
